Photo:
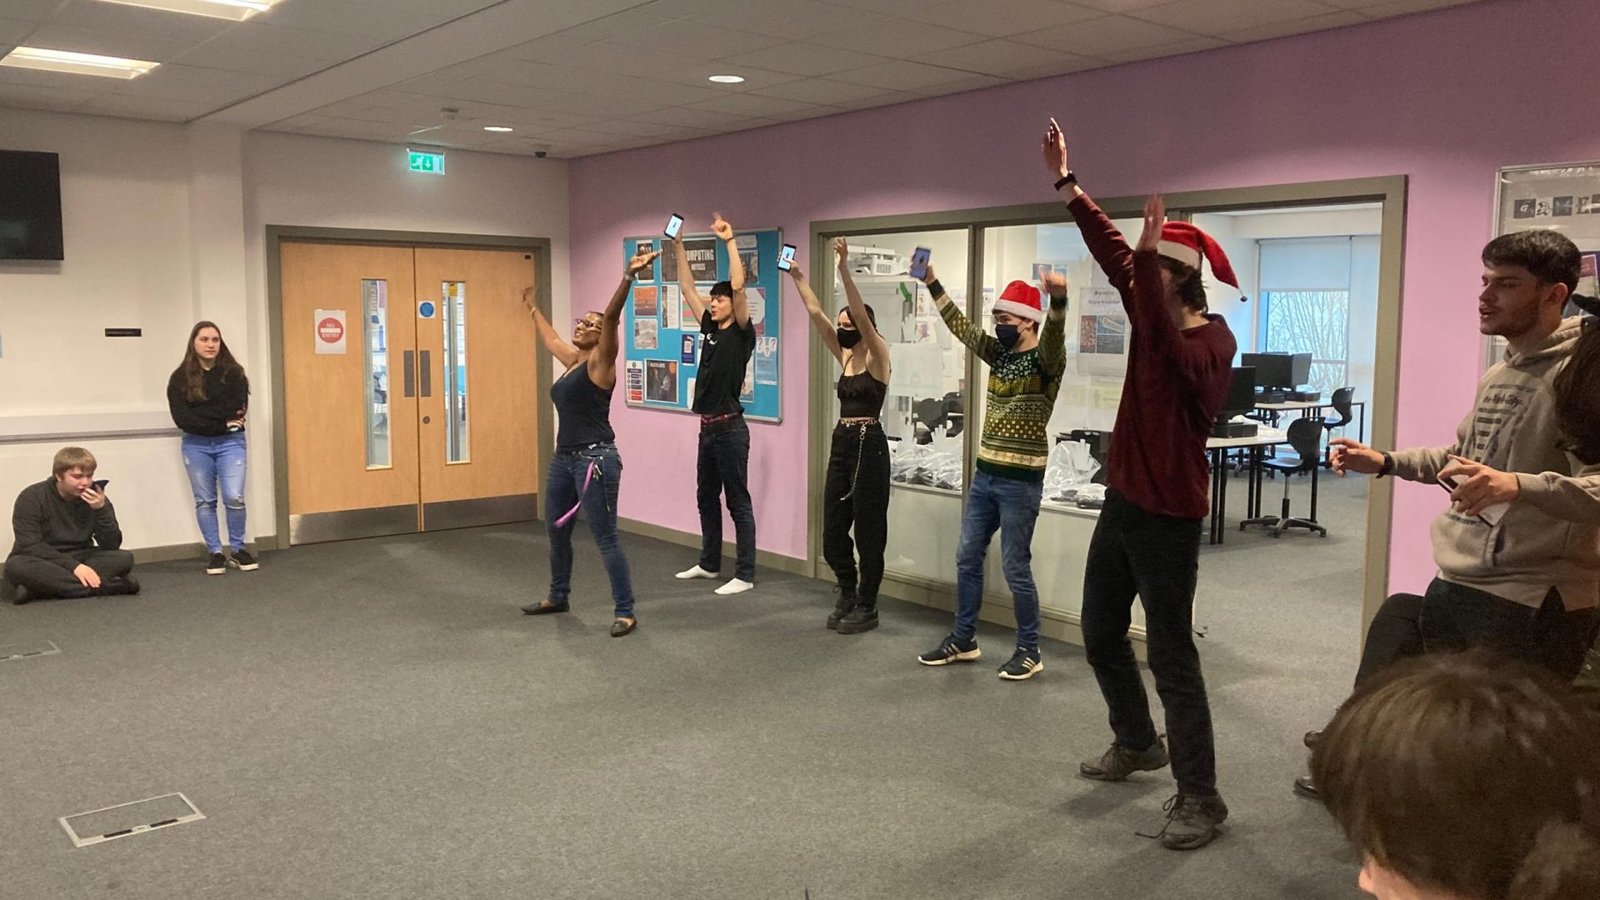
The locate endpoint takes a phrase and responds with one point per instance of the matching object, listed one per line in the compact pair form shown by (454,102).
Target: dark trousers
(42,578)
(856,493)
(1453,617)
(723,467)
(1134,552)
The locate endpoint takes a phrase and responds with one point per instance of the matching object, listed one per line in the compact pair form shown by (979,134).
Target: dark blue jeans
(599,506)
(723,467)
(1012,508)
(1135,552)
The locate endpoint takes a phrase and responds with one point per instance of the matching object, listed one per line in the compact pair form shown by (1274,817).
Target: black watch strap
(1070,178)
(1388,465)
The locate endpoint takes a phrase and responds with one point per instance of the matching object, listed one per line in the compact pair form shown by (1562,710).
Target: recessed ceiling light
(76,63)
(237,10)
(727,79)
(500,129)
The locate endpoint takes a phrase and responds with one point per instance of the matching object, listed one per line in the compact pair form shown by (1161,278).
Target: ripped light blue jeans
(212,460)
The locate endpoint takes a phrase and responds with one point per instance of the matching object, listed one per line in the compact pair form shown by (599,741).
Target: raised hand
(1155,215)
(636,265)
(1055,150)
(1054,284)
(841,249)
(528,300)
(929,277)
(720,227)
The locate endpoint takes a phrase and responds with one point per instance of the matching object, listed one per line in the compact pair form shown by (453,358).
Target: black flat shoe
(623,626)
(544,608)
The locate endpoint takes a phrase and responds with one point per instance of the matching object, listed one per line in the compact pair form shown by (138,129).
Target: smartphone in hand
(1490,516)
(919,263)
(100,484)
(674,225)
(786,258)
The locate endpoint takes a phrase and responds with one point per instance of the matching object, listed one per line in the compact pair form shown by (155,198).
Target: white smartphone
(1491,515)
(674,225)
(919,263)
(786,258)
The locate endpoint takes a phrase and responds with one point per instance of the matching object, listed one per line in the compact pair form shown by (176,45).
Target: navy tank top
(861,396)
(584,408)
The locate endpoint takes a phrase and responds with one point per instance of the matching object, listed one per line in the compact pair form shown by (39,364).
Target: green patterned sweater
(1022,391)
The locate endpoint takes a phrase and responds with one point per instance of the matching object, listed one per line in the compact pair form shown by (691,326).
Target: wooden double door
(409,388)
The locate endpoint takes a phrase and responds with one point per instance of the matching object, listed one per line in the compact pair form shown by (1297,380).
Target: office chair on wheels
(1305,436)
(1341,403)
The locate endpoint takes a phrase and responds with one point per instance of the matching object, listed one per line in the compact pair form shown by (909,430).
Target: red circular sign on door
(330,330)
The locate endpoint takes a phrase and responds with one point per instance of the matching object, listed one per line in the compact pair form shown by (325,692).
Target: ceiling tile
(446,9)
(117,19)
(107,43)
(1176,48)
(695,40)
(276,39)
(690,118)
(898,38)
(1298,26)
(753,105)
(902,75)
(887,98)
(13,30)
(1215,17)
(966,83)
(822,91)
(805,59)
(794,20)
(145,108)
(1104,36)
(31,10)
(1004,57)
(999,18)
(1407,7)
(633,128)
(284,66)
(1079,64)
(351,18)
(27,96)
(174,82)
(1118,6)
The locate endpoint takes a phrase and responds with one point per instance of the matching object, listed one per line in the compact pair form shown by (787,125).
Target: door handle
(427,375)
(408,362)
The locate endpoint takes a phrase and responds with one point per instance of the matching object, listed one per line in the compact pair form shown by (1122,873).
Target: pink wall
(1445,98)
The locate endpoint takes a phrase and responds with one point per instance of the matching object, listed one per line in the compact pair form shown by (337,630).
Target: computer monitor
(1279,370)
(1241,396)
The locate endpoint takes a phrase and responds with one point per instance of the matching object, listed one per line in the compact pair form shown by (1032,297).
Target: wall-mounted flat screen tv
(30,205)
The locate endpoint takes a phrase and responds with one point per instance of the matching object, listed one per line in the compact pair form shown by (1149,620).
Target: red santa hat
(1020,299)
(1187,244)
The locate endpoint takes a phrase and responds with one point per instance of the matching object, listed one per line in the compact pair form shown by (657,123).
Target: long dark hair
(1578,398)
(194,385)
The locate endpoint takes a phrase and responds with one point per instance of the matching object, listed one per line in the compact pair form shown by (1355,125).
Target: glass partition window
(925,413)
(375,305)
(455,372)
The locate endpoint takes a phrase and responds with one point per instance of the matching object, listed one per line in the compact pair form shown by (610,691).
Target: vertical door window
(375,350)
(457,449)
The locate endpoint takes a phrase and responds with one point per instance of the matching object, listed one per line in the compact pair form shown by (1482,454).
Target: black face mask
(849,337)
(1007,335)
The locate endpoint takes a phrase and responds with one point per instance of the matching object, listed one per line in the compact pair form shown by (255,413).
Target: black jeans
(856,493)
(1157,558)
(42,578)
(1453,617)
(723,466)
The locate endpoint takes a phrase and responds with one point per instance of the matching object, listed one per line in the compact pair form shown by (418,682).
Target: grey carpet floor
(375,719)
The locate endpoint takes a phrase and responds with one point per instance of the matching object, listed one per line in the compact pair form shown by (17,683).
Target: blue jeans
(599,506)
(1012,508)
(209,460)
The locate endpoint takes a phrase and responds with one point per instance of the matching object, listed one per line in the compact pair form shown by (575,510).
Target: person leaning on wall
(208,396)
(1468,776)
(68,543)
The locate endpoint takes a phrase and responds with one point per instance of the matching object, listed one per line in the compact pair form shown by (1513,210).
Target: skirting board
(995,610)
(143,555)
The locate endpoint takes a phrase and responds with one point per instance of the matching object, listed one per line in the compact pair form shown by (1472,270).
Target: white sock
(736,586)
(695,572)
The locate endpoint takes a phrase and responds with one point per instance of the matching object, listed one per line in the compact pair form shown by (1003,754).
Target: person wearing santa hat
(1147,540)
(1026,356)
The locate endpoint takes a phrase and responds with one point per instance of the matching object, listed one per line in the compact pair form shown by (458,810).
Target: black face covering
(849,337)
(1007,335)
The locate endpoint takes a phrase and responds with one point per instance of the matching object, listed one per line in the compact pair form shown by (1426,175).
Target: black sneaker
(216,564)
(841,606)
(1306,787)
(1024,664)
(1117,763)
(952,650)
(243,561)
(863,618)
(1192,821)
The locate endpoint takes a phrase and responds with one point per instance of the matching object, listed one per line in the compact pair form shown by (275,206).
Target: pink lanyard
(588,476)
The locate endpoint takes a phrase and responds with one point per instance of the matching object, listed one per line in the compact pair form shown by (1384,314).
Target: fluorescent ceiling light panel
(726,79)
(502,129)
(76,63)
(237,10)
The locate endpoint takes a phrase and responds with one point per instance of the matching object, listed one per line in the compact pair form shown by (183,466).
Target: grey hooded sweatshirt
(1550,535)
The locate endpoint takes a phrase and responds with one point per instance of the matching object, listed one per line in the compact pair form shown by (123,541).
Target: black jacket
(226,399)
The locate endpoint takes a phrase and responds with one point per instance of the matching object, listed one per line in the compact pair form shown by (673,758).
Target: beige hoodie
(1550,535)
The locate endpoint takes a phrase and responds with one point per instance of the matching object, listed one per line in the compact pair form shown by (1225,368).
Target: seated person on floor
(68,543)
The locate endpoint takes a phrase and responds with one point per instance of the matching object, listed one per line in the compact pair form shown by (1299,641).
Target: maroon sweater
(1177,379)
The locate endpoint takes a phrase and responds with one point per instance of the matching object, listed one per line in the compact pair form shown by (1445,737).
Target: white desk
(1305,405)
(1218,448)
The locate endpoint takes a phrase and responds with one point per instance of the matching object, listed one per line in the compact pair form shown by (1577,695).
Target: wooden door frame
(278,234)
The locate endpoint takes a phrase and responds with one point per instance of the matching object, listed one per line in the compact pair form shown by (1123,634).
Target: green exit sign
(429,161)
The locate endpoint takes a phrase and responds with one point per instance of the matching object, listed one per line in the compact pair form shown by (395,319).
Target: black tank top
(585,410)
(861,396)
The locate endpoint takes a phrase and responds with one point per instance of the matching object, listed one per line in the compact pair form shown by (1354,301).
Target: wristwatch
(1388,465)
(1070,178)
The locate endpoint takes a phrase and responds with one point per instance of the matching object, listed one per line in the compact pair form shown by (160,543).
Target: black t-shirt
(724,354)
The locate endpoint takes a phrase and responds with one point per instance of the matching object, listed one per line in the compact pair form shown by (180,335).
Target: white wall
(165,224)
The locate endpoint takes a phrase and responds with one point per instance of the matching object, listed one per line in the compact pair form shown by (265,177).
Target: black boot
(842,606)
(863,618)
